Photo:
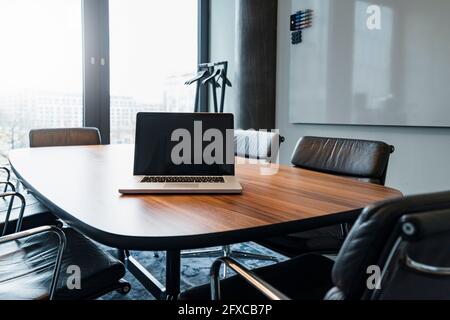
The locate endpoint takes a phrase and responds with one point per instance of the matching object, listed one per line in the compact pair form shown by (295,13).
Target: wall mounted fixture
(299,21)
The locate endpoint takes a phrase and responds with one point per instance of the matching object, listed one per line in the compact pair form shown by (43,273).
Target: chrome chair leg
(206,253)
(253,256)
(228,252)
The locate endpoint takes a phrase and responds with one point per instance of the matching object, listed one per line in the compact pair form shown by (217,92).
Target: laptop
(177,153)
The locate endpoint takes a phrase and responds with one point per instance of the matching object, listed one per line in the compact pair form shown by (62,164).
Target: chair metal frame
(8,176)
(61,246)
(255,281)
(13,195)
(19,235)
(227,251)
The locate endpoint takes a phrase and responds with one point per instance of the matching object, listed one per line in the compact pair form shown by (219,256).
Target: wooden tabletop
(80,184)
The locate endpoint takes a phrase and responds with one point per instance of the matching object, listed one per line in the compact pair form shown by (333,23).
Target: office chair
(355,159)
(64,137)
(396,250)
(257,145)
(37,214)
(37,264)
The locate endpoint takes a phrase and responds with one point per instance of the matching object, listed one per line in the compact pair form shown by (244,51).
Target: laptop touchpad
(181,185)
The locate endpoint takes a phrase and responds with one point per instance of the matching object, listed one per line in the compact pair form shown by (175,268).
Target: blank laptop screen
(183,144)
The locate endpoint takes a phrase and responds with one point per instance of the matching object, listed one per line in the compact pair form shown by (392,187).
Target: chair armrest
(8,172)
(61,246)
(13,195)
(415,227)
(8,176)
(259,284)
(8,184)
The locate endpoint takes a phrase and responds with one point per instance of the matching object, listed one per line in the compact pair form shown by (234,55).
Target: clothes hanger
(223,75)
(225,82)
(212,79)
(198,77)
(213,76)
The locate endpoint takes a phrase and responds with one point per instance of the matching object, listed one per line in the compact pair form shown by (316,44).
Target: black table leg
(171,290)
(121,255)
(173,271)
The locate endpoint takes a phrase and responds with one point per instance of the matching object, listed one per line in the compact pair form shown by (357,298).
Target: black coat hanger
(223,75)
(213,77)
(200,75)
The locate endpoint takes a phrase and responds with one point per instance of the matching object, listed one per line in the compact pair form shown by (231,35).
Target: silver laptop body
(183,153)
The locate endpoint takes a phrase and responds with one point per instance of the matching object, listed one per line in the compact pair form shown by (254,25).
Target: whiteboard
(345,73)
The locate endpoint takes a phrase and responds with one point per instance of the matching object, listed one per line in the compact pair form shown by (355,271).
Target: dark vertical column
(256,48)
(203,46)
(96,66)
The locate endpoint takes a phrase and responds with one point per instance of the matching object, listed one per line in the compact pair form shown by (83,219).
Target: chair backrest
(64,137)
(261,145)
(359,159)
(399,237)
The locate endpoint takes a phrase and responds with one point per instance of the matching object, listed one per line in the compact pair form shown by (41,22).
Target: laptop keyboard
(183,180)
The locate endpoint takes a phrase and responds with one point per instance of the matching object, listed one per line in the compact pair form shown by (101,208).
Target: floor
(194,271)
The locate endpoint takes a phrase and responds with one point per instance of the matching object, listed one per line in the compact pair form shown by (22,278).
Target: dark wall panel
(256,48)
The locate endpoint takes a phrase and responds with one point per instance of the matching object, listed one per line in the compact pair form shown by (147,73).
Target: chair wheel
(59,224)
(124,290)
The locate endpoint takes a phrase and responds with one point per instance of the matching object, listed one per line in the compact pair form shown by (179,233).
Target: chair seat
(26,268)
(319,241)
(307,277)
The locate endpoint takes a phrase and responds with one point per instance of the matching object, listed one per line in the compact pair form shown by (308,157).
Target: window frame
(96,67)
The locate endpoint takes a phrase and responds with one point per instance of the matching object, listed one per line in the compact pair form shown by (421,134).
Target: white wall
(421,162)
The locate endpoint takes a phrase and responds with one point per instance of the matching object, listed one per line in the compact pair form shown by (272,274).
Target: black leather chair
(61,137)
(37,214)
(248,144)
(397,250)
(34,264)
(355,159)
(259,145)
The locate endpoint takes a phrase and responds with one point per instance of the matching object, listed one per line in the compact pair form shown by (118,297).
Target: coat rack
(215,75)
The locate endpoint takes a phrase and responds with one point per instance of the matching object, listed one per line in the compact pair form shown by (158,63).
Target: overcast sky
(41,47)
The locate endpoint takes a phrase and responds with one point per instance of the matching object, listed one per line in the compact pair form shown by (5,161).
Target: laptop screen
(184,144)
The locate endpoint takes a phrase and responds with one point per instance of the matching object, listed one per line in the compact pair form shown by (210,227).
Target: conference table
(80,185)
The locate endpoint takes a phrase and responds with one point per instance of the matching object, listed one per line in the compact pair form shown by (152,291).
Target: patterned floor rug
(194,271)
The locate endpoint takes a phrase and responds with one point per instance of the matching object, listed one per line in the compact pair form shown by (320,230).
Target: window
(153,51)
(138,61)
(40,68)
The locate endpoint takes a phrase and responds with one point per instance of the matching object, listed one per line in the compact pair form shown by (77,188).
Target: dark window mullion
(96,66)
(97,75)
(203,46)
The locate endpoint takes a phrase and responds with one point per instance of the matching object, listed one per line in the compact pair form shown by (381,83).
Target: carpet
(194,271)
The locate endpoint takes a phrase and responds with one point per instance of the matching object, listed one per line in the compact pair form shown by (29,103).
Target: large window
(128,56)
(153,51)
(40,67)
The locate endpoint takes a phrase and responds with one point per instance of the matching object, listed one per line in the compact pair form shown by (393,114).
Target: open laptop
(184,153)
